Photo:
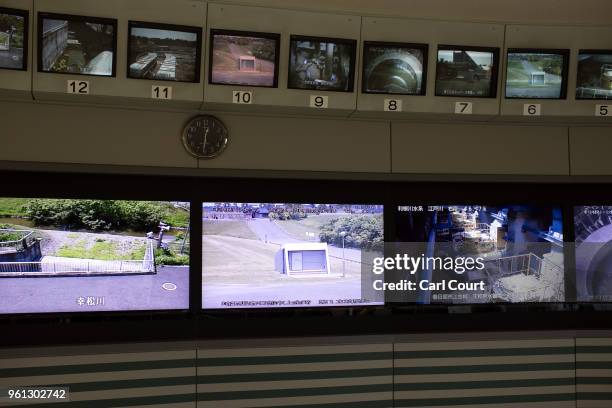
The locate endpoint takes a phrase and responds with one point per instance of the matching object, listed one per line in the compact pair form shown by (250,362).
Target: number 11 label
(161,92)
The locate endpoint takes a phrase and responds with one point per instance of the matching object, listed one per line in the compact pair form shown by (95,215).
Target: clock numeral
(78,87)
(245,97)
(319,101)
(161,92)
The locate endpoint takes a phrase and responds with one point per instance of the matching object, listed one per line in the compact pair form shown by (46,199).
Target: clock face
(205,137)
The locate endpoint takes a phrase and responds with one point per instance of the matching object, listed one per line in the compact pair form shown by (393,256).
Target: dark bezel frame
(347,41)
(424,48)
(494,69)
(253,34)
(234,310)
(565,54)
(72,17)
(168,27)
(25,14)
(594,52)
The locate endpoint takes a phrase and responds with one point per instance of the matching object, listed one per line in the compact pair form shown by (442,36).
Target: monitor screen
(73,255)
(469,254)
(466,71)
(321,63)
(593,240)
(243,58)
(164,52)
(594,79)
(13,39)
(536,74)
(280,255)
(390,68)
(76,44)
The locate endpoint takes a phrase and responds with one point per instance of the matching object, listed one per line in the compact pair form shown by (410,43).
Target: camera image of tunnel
(464,73)
(593,233)
(393,70)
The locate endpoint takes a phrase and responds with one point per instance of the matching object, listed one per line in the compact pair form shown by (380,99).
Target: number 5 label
(532,109)
(318,101)
(603,110)
(78,87)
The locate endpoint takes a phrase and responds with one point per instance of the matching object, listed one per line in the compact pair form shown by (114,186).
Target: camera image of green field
(311,224)
(516,72)
(231,260)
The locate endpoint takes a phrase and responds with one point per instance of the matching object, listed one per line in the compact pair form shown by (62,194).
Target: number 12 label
(78,87)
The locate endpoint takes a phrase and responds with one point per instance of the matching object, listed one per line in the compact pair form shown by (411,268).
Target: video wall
(73,255)
(82,45)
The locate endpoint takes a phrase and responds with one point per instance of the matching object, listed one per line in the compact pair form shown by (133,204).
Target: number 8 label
(392,105)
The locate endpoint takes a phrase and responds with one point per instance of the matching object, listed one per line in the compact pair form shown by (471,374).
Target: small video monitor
(243,58)
(594,79)
(76,45)
(593,253)
(536,74)
(324,64)
(467,71)
(394,68)
(13,39)
(286,255)
(479,254)
(164,52)
(90,255)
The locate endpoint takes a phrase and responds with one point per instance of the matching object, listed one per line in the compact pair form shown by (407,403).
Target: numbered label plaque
(532,109)
(78,87)
(392,105)
(463,108)
(603,110)
(245,97)
(161,92)
(319,101)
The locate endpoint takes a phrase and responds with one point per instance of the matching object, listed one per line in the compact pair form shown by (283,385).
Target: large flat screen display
(164,52)
(76,45)
(72,255)
(536,74)
(466,71)
(593,239)
(483,254)
(243,58)
(280,255)
(321,63)
(594,79)
(13,39)
(390,68)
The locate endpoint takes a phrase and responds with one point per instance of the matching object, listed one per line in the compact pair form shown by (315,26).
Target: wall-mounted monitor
(282,255)
(466,71)
(164,52)
(243,58)
(471,254)
(593,240)
(394,68)
(536,74)
(13,39)
(594,80)
(73,255)
(325,64)
(77,45)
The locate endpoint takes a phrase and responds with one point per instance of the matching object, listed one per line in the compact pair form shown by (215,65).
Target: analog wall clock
(205,137)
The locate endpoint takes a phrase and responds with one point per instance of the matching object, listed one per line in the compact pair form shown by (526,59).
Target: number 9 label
(318,101)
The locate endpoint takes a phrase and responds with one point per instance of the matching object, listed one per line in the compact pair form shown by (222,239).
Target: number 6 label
(532,109)
(318,101)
